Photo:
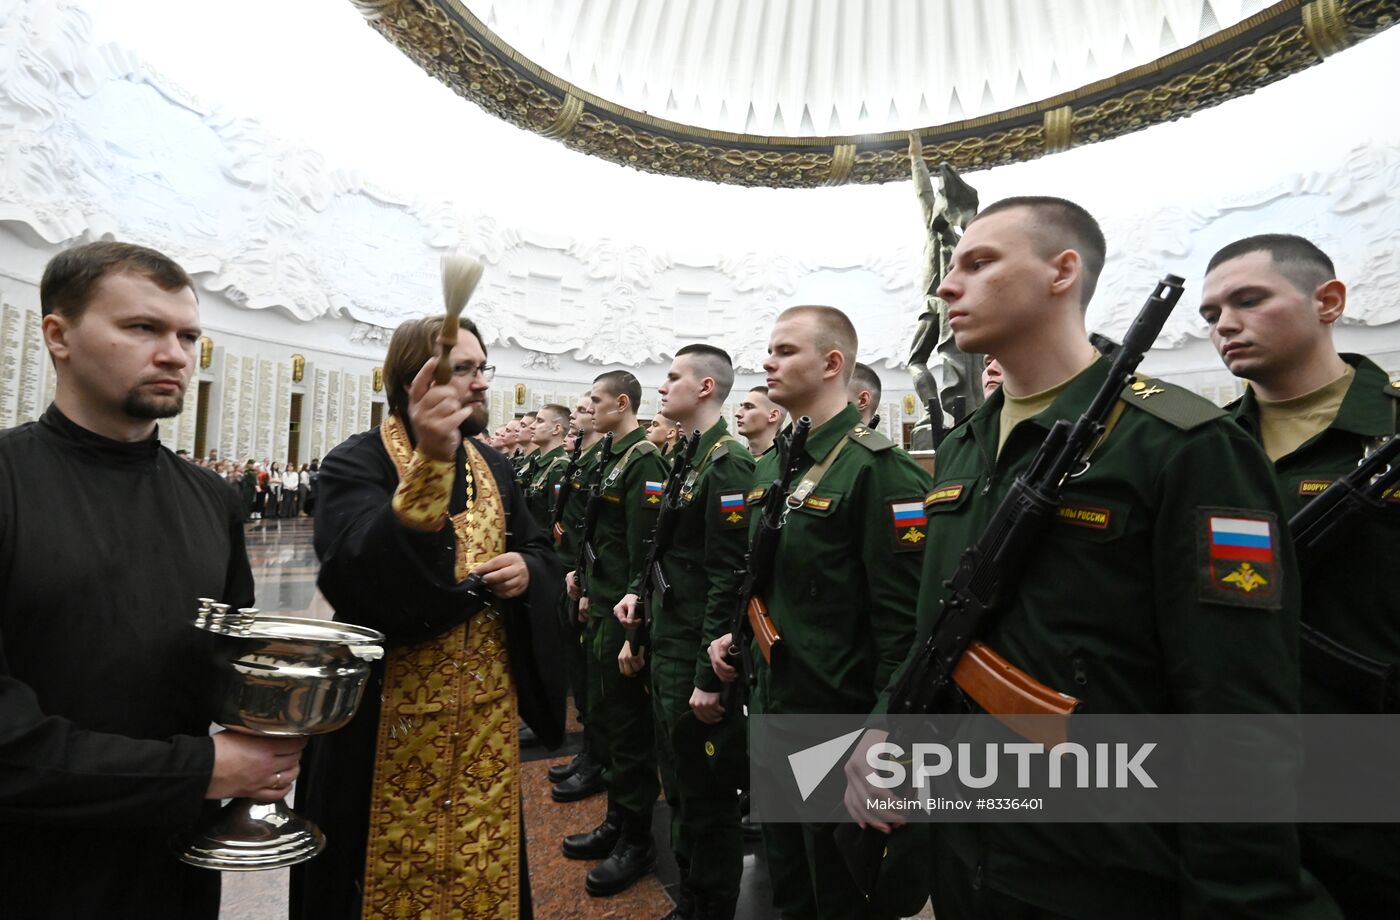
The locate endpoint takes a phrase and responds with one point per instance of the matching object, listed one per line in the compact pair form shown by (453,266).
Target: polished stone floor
(284,567)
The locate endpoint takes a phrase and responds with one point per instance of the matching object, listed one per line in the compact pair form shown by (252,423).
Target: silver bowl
(277,676)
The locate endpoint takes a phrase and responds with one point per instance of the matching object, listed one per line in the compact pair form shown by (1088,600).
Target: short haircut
(835,332)
(410,347)
(1059,225)
(71,276)
(865,378)
(526,415)
(759,389)
(621,383)
(1297,259)
(557,413)
(714,363)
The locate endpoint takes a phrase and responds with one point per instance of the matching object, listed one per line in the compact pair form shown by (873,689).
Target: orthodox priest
(423,534)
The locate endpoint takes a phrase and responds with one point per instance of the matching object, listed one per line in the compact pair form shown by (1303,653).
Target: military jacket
(539,490)
(1136,601)
(572,519)
(632,484)
(706,553)
(1343,594)
(845,577)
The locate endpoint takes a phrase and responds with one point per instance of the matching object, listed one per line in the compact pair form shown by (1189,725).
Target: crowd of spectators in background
(266,488)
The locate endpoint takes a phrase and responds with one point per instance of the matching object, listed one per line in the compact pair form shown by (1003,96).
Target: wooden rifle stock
(1011,695)
(557,531)
(765,631)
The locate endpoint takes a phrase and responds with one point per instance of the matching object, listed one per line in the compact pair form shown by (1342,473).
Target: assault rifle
(653,579)
(566,491)
(985,579)
(751,617)
(587,557)
(1316,528)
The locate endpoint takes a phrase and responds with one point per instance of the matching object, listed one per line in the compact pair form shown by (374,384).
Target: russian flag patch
(652,492)
(910,525)
(1238,558)
(733,510)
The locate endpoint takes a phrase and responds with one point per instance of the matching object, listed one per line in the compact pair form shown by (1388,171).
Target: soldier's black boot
(580,785)
(599,842)
(685,904)
(633,857)
(562,771)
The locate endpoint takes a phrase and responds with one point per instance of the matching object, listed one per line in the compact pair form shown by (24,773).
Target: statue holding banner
(948,205)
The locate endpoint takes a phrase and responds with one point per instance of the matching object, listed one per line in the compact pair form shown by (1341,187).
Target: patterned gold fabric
(425,487)
(444,836)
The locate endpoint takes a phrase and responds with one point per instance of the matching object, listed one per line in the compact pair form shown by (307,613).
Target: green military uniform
(619,706)
(842,596)
(570,630)
(540,487)
(702,568)
(1343,598)
(525,469)
(1132,605)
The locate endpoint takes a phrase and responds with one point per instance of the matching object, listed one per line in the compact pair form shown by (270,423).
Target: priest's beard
(141,405)
(475,423)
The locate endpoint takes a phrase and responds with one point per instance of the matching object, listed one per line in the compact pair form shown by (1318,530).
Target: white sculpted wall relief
(93,142)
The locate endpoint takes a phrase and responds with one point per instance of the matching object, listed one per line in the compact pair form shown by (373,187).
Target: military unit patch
(910,525)
(1313,486)
(817,502)
(1237,555)
(733,512)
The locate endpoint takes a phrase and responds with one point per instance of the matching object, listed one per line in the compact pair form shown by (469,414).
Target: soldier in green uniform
(664,433)
(551,423)
(1132,604)
(582,776)
(529,455)
(701,567)
(864,392)
(620,703)
(843,586)
(1271,302)
(758,420)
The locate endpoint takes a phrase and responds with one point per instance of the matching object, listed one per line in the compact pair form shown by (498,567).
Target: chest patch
(943,495)
(1313,486)
(1084,516)
(1237,558)
(910,525)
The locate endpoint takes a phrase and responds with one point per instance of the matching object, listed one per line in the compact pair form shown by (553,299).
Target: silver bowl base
(249,836)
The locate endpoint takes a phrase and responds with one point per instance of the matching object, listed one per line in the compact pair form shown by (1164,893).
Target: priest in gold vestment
(422,533)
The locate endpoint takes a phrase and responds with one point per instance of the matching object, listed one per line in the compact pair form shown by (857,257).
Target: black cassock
(104,684)
(375,572)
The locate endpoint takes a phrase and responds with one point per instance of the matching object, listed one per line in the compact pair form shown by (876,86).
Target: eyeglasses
(487,371)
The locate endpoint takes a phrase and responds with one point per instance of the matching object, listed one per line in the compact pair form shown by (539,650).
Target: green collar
(708,440)
(823,438)
(1368,409)
(1070,404)
(621,444)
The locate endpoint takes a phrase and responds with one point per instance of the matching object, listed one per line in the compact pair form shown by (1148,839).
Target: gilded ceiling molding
(449,42)
(1325,25)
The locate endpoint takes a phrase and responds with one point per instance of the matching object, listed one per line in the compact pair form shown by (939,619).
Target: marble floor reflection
(284,569)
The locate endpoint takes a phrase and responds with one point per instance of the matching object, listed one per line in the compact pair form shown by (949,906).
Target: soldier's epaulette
(720,452)
(645,447)
(1392,389)
(1171,403)
(870,439)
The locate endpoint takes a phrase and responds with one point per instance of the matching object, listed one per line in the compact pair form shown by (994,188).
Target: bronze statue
(948,206)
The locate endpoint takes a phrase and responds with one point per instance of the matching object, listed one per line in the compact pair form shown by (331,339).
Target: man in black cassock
(423,534)
(107,540)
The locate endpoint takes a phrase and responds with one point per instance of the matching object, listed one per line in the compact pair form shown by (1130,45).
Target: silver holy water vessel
(276,676)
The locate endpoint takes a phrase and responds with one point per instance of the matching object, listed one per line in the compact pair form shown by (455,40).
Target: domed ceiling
(825,92)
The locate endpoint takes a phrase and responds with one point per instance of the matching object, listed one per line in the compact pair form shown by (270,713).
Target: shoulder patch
(1170,403)
(645,447)
(733,511)
(870,439)
(1236,558)
(652,491)
(720,452)
(910,525)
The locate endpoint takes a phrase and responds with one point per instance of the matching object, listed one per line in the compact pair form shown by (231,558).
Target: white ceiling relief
(804,68)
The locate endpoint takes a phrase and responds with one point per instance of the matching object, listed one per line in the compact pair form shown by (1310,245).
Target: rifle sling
(814,475)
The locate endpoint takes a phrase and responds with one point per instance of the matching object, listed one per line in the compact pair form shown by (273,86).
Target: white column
(11,342)
(228,401)
(282,418)
(33,363)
